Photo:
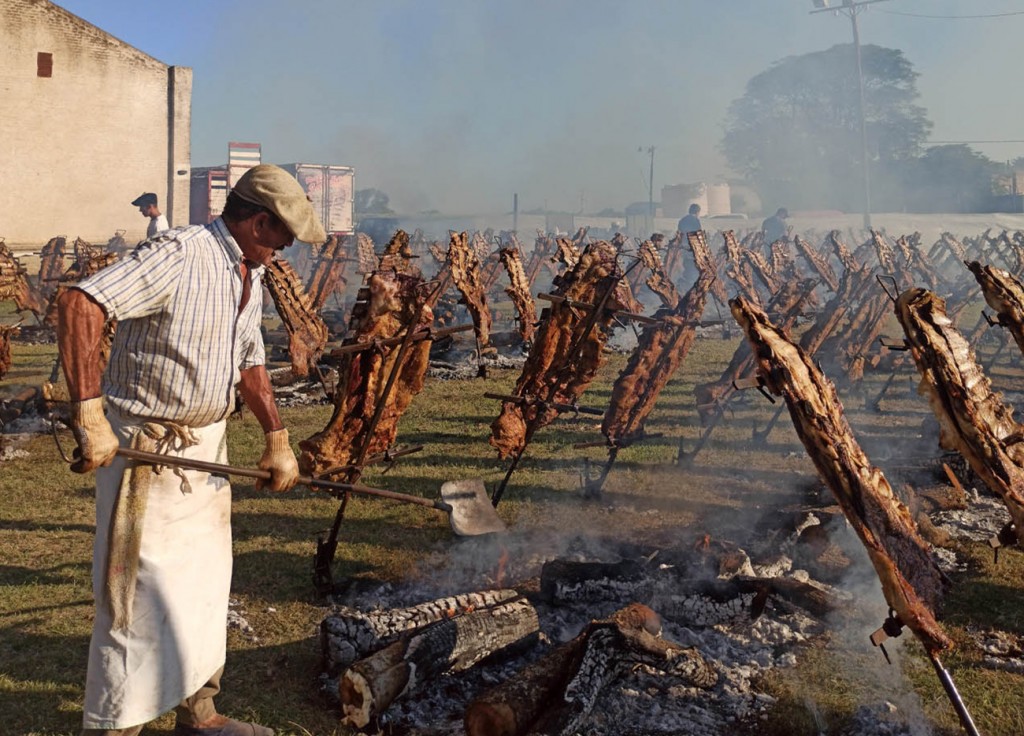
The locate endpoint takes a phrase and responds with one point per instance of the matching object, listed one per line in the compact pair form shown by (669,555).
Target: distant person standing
(690,223)
(147,204)
(774,227)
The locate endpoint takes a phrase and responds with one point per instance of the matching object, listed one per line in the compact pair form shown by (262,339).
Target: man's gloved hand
(279,459)
(97,443)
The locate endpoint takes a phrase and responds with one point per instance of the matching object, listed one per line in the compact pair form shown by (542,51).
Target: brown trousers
(192,710)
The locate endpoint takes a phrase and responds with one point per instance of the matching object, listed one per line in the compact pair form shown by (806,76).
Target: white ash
(28,423)
(984,516)
(1001,650)
(236,620)
(468,367)
(9,452)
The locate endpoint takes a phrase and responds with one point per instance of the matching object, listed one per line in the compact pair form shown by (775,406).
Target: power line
(1011,140)
(950,17)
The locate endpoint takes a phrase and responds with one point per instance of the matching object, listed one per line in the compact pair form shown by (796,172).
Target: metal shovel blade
(472,512)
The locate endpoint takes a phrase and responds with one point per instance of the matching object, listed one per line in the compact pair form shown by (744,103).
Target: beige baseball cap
(278,191)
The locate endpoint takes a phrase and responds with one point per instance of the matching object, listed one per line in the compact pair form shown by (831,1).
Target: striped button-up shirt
(180,341)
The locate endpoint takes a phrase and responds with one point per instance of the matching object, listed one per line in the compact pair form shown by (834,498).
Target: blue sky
(456,104)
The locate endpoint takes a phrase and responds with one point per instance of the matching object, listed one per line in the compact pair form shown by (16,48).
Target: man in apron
(188,305)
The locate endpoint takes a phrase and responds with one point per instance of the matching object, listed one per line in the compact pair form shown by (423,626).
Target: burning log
(347,635)
(386,307)
(464,265)
(567,351)
(328,274)
(15,285)
(911,582)
(660,351)
(518,291)
(973,420)
(307,333)
(454,644)
(1005,294)
(556,694)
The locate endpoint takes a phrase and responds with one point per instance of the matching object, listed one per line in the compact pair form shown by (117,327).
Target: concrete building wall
(77,146)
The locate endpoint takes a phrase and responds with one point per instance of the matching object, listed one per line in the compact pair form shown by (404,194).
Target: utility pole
(650,188)
(851,9)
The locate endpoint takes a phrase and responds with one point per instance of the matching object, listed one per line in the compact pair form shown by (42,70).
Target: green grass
(46,527)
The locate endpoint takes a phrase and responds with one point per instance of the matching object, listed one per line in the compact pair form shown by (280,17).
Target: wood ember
(660,350)
(464,266)
(519,292)
(658,280)
(550,373)
(973,420)
(51,265)
(347,634)
(6,333)
(556,694)
(15,285)
(307,333)
(386,307)
(911,582)
(365,254)
(328,273)
(1005,294)
(818,262)
(454,644)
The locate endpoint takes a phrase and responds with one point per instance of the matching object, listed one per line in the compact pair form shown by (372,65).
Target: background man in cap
(147,204)
(188,308)
(774,227)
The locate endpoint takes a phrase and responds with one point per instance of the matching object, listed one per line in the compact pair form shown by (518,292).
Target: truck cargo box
(330,188)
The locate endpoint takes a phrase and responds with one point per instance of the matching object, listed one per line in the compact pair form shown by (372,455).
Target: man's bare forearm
(258,395)
(79,337)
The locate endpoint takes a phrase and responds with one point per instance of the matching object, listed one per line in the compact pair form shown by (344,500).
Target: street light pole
(650,191)
(852,9)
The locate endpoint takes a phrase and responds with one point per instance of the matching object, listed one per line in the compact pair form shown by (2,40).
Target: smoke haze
(455,105)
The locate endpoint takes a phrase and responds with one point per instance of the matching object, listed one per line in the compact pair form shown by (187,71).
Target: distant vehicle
(331,190)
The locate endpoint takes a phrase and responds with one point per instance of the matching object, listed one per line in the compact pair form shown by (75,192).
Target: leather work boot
(223,727)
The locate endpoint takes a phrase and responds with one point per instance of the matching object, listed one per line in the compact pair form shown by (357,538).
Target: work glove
(279,459)
(97,443)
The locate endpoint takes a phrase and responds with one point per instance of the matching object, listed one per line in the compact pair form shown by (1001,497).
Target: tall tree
(950,178)
(795,133)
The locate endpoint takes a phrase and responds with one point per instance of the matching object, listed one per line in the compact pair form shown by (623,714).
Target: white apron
(178,633)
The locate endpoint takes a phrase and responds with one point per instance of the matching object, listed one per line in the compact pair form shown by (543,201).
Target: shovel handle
(156,458)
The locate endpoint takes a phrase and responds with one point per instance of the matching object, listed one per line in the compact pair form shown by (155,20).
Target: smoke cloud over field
(456,105)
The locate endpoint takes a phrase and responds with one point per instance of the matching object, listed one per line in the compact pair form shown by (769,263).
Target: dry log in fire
(15,285)
(307,333)
(550,373)
(454,644)
(660,351)
(556,694)
(328,272)
(1005,294)
(51,264)
(518,290)
(464,265)
(658,280)
(911,582)
(973,420)
(347,634)
(386,307)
